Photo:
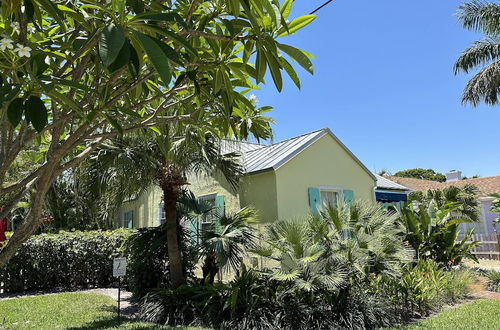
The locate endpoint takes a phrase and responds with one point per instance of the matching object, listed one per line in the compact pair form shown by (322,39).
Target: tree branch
(216,36)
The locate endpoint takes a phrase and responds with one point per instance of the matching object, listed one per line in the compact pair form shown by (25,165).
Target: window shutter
(314,200)
(195,226)
(219,205)
(130,219)
(348,196)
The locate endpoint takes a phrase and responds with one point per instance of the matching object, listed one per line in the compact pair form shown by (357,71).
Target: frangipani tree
(76,73)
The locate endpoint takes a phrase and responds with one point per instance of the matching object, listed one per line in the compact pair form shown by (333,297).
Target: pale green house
(283,180)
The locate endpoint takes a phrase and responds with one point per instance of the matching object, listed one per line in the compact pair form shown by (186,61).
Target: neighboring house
(390,192)
(283,180)
(486,186)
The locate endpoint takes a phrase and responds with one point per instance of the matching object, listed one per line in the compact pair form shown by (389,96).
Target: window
(161,214)
(208,219)
(127,220)
(330,196)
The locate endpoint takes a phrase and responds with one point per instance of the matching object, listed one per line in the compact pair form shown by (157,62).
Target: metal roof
(388,184)
(258,158)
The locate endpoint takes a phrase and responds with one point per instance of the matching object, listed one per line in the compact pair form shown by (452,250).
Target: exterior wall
(202,185)
(259,190)
(145,208)
(323,163)
(488,216)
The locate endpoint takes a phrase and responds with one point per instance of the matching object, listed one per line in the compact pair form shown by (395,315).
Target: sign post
(119,270)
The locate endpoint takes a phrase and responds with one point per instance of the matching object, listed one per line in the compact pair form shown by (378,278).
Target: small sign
(119,266)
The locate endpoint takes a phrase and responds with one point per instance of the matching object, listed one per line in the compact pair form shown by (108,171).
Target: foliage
(75,74)
(423,288)
(420,173)
(493,280)
(480,16)
(67,259)
(432,231)
(340,246)
(467,197)
(147,267)
(67,311)
(477,315)
(256,301)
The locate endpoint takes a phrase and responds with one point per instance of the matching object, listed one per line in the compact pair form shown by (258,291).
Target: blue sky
(384,84)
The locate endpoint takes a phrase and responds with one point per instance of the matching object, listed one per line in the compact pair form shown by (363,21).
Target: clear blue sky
(384,84)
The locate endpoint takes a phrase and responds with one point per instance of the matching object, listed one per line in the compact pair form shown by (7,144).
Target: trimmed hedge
(64,260)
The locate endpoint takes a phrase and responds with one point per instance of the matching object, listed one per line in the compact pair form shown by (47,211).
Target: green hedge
(64,260)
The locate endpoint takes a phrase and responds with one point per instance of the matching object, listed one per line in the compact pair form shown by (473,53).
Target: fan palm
(484,85)
(166,160)
(340,245)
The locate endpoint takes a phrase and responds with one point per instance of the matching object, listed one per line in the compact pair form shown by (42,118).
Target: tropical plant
(432,231)
(493,280)
(75,74)
(420,173)
(338,247)
(167,160)
(484,86)
(467,197)
(226,244)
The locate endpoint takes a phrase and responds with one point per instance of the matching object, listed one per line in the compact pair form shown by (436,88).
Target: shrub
(67,259)
(147,268)
(493,280)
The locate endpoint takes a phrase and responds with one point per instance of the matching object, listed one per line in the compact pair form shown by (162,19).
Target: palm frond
(480,16)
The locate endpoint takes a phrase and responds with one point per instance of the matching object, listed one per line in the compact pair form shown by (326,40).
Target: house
(283,180)
(486,186)
(390,192)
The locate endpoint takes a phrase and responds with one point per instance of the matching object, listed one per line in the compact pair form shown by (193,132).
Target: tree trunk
(175,263)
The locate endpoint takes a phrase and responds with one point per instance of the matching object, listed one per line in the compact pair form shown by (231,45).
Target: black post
(119,289)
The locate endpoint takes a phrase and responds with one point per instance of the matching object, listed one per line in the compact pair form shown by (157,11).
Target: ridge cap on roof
(286,140)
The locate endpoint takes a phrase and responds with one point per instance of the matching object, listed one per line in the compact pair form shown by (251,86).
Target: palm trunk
(176,267)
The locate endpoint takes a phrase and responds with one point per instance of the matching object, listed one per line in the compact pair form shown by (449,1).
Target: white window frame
(161,211)
(208,197)
(124,220)
(335,189)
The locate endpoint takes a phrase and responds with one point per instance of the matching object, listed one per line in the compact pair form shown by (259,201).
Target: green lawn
(482,314)
(65,311)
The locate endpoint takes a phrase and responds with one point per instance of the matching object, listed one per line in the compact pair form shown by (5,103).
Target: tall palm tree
(166,160)
(484,86)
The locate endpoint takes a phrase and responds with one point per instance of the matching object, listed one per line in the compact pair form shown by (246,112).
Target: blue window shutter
(195,226)
(314,199)
(130,219)
(348,196)
(219,205)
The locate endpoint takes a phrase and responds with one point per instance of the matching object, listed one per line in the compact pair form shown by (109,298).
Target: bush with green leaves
(493,280)
(433,230)
(423,288)
(254,300)
(64,260)
(147,267)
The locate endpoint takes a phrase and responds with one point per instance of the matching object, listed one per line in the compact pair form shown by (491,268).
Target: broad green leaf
(156,55)
(160,17)
(111,41)
(298,56)
(15,111)
(290,71)
(169,51)
(123,57)
(297,24)
(275,69)
(285,9)
(38,65)
(134,64)
(181,41)
(260,65)
(36,113)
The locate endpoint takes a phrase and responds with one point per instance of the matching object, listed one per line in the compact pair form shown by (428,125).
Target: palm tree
(485,85)
(466,197)
(339,246)
(166,160)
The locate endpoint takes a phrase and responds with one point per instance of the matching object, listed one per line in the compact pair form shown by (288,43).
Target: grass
(66,311)
(482,314)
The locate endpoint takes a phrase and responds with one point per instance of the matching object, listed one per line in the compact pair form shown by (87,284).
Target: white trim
(335,189)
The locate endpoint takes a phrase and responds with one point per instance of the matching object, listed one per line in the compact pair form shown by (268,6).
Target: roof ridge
(286,140)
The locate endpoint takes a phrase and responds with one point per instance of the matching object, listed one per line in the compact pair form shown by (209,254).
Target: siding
(323,163)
